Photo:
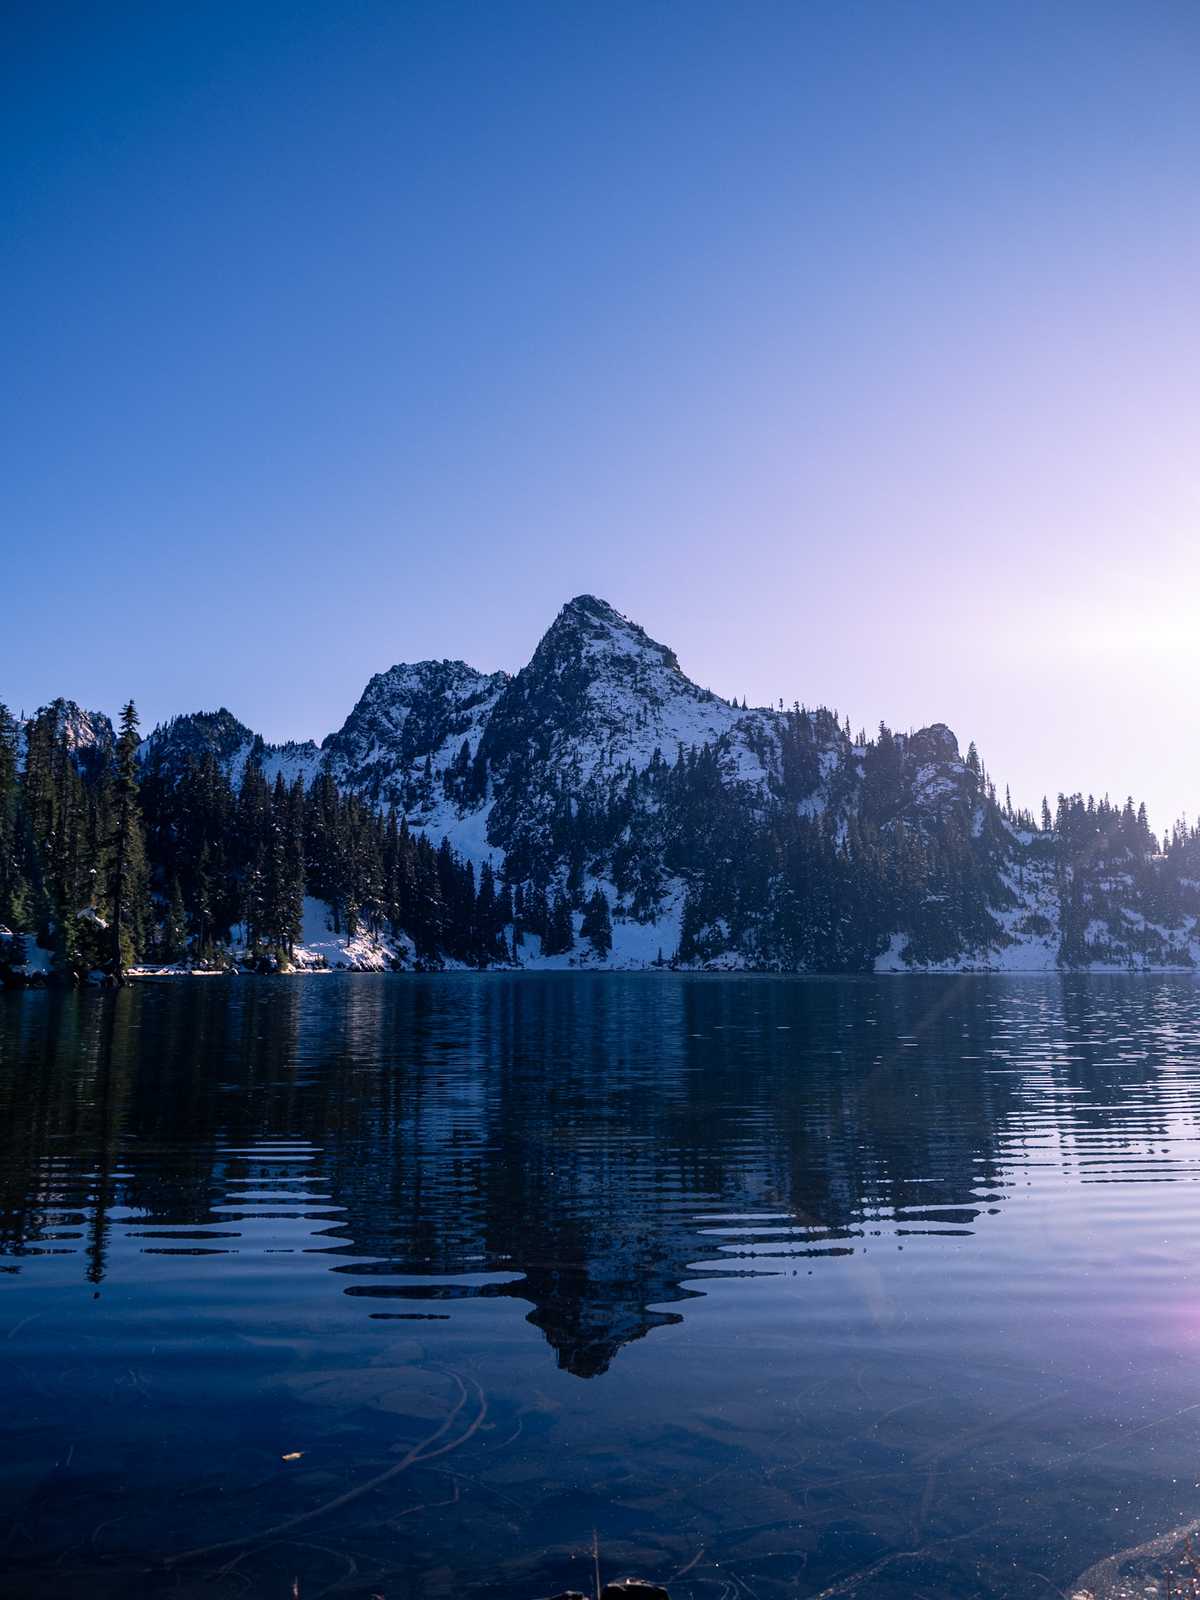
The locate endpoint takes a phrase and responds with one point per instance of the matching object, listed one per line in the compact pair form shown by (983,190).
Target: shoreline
(40,981)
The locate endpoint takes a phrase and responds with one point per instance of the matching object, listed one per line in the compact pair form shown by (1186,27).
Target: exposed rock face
(935,743)
(88,734)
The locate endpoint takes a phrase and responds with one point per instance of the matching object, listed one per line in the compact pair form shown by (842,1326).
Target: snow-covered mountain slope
(407,716)
(413,742)
(719,834)
(600,693)
(597,705)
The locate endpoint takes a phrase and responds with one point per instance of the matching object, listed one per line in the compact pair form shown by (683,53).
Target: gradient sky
(853,349)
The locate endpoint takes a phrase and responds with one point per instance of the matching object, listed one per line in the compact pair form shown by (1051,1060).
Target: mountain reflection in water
(878,1206)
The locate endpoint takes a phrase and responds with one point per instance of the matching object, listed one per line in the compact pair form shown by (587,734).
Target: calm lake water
(878,1288)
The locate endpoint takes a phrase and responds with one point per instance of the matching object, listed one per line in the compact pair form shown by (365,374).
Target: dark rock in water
(567,1594)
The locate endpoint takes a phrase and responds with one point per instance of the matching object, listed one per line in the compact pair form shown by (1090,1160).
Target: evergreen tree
(597,923)
(15,905)
(127,861)
(559,937)
(175,934)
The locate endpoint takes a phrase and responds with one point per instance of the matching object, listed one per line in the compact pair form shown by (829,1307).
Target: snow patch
(320,946)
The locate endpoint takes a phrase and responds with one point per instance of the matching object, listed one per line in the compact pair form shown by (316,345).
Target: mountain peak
(591,617)
(393,696)
(431,670)
(592,630)
(934,743)
(598,693)
(590,605)
(197,731)
(413,711)
(81,729)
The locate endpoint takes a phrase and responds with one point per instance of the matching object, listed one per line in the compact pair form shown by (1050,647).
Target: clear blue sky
(852,348)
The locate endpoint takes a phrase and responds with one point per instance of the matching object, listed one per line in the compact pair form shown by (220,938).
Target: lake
(417,1287)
